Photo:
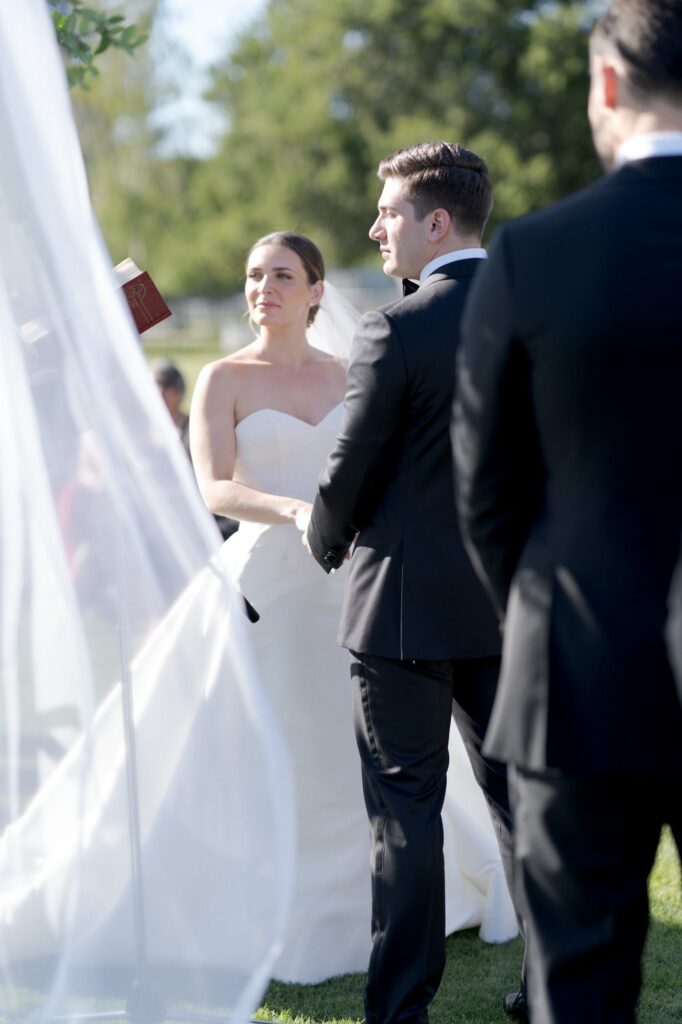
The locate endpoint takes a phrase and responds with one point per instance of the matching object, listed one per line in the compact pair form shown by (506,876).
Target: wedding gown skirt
(307,679)
(204,775)
(199,737)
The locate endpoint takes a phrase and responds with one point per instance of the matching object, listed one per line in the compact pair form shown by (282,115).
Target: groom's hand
(306,545)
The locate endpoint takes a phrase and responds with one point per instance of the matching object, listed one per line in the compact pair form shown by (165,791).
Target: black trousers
(584,849)
(402,712)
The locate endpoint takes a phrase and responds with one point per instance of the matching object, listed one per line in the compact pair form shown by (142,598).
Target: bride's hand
(302,517)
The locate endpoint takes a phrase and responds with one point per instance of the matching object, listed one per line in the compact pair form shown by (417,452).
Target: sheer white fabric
(334,325)
(113,610)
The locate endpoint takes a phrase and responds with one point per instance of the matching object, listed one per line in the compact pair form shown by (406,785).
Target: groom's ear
(440,223)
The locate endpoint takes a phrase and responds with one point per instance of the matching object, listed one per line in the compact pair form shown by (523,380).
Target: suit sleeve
(495,443)
(351,480)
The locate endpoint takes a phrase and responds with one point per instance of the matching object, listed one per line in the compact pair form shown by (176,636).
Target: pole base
(144,1005)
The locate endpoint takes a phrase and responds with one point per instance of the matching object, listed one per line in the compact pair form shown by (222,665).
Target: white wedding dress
(200,725)
(108,590)
(110,587)
(307,680)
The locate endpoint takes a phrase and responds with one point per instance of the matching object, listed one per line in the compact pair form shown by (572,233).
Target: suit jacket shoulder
(569,409)
(412,592)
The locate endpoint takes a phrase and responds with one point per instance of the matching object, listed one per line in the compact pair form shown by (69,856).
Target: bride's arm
(213,445)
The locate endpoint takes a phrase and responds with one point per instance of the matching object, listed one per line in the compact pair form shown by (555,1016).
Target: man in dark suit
(568,442)
(420,628)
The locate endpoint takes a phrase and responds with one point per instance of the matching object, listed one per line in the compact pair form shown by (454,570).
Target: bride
(262,423)
(173,866)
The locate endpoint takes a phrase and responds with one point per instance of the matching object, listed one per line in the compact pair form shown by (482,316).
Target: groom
(423,637)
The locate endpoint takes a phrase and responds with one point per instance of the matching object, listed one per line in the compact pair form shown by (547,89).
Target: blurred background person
(171,384)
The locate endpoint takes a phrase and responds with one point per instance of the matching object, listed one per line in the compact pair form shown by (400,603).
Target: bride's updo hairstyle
(308,253)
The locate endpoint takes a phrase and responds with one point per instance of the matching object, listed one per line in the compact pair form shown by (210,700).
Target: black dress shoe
(516,1006)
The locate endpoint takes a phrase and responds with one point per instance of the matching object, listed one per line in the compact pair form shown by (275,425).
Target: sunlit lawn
(477,975)
(189,361)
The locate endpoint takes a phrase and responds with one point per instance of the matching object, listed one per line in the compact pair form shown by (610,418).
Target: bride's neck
(285,346)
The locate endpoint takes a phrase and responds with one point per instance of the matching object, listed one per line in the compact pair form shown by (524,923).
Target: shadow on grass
(477,975)
(338,999)
(661,999)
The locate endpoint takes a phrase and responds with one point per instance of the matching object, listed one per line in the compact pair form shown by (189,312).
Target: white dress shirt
(648,144)
(450,257)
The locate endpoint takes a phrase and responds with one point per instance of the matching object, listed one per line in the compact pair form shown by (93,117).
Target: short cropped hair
(443,175)
(647,35)
(167,375)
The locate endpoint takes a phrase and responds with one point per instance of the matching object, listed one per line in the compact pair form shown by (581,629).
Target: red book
(146,302)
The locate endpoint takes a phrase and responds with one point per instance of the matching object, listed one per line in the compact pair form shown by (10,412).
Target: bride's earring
(312,313)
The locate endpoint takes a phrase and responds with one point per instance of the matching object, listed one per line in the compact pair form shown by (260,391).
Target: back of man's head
(443,175)
(647,36)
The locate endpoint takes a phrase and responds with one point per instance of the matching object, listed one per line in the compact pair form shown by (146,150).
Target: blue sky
(205,28)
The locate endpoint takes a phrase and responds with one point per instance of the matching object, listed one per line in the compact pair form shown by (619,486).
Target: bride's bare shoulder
(223,373)
(332,364)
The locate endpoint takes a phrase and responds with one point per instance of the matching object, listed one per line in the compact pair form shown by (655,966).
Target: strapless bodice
(279,454)
(282,454)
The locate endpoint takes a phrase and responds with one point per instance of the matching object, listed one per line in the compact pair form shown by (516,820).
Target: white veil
(333,328)
(145,798)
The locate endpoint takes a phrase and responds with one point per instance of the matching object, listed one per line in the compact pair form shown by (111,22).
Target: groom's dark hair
(647,34)
(443,175)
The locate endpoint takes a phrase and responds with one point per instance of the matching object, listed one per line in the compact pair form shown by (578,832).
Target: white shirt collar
(645,145)
(450,257)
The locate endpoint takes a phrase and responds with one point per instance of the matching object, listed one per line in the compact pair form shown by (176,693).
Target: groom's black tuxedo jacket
(412,592)
(569,450)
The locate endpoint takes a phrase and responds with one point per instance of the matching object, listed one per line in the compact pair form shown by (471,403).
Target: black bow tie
(409,286)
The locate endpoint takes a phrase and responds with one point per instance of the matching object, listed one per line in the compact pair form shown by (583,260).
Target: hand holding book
(146,302)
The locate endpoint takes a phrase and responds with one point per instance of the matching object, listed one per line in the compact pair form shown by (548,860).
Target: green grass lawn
(189,360)
(477,974)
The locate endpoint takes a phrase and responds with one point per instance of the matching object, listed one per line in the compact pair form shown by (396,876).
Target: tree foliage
(316,93)
(84,33)
(120,143)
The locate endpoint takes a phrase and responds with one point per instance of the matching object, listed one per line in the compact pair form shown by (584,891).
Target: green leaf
(74,75)
(104,44)
(86,23)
